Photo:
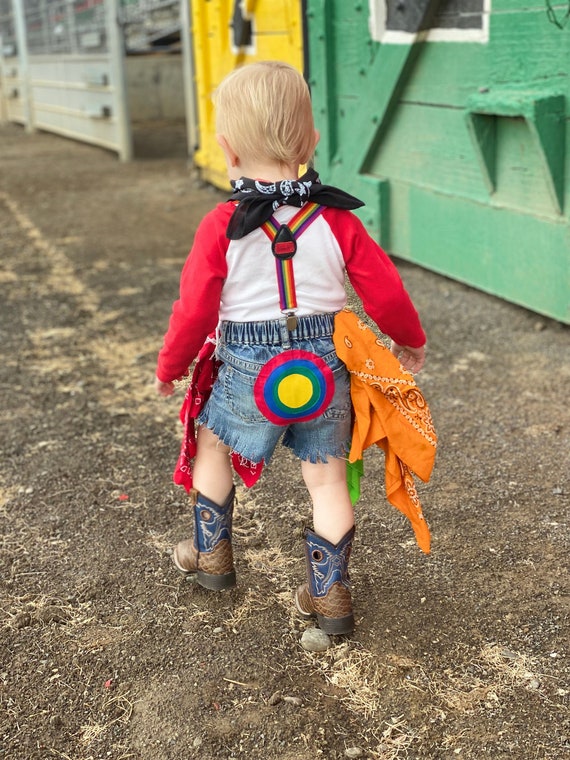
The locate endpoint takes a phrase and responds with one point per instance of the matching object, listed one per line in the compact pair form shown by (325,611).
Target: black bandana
(258,200)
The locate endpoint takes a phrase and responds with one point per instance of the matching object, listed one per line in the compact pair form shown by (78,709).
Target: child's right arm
(163,389)
(195,313)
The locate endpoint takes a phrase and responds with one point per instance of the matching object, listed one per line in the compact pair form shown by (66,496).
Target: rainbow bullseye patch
(294,386)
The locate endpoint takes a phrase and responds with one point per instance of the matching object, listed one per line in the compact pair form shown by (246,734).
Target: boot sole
(216,582)
(336,626)
(207,580)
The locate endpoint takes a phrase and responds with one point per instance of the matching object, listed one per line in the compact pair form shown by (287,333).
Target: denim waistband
(274,332)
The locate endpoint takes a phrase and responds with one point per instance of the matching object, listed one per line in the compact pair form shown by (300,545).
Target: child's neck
(267,172)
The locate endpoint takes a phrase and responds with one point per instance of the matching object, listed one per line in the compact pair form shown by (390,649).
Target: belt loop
(285,337)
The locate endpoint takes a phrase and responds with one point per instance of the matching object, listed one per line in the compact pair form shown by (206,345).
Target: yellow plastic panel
(277,34)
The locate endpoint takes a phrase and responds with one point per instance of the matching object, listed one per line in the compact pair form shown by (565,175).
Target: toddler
(266,273)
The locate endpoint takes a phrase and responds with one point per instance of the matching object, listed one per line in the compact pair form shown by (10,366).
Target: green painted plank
(390,65)
(519,257)
(527,48)
(436,81)
(431,146)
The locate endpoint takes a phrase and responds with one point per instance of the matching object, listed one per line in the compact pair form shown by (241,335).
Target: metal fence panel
(11,97)
(70,70)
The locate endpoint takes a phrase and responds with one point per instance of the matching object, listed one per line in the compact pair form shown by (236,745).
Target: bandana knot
(257,200)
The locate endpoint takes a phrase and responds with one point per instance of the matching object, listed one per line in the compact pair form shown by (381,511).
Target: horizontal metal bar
(63,85)
(66,111)
(80,136)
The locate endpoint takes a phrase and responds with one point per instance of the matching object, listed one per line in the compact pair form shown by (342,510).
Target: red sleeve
(195,313)
(376,280)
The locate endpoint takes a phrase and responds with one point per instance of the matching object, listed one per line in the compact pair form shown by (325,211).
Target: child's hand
(163,389)
(410,358)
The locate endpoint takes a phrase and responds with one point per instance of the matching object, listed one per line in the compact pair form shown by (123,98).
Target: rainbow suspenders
(284,246)
(295,385)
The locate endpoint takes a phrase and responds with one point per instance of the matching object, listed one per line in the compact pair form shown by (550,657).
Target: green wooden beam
(545,115)
(382,85)
(321,16)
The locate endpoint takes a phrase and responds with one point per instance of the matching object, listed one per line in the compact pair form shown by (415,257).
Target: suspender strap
(283,244)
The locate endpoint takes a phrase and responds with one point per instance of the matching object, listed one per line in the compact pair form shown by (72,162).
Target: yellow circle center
(295,391)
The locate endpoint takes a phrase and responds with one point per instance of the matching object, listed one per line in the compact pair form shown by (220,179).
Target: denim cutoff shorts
(232,413)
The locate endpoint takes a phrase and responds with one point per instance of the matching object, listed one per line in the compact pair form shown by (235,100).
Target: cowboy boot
(327,594)
(209,553)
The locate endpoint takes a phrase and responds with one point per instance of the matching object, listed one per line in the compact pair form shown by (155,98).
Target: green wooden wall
(461,150)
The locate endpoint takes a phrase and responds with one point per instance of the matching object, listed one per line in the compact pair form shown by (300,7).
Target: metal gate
(62,70)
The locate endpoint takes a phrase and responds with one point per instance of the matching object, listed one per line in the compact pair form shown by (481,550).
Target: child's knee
(323,473)
(208,440)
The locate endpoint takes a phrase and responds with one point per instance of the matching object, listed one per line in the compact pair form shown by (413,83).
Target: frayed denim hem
(229,438)
(321,457)
(242,446)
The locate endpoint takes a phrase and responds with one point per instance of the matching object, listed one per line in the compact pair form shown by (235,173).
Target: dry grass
(253,602)
(481,684)
(271,562)
(7,493)
(476,686)
(45,609)
(357,674)
(119,704)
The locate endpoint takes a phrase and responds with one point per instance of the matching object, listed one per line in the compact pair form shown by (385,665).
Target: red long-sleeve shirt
(237,278)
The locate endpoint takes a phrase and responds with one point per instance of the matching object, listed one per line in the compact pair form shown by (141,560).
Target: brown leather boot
(209,554)
(327,594)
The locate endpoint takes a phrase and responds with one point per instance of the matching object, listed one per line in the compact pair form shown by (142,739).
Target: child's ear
(316,138)
(231,155)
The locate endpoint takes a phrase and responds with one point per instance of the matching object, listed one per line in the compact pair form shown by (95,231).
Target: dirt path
(106,653)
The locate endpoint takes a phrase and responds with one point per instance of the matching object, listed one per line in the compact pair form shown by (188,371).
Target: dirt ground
(107,653)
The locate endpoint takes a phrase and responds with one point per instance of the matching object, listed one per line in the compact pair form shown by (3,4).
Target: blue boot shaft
(328,563)
(213,523)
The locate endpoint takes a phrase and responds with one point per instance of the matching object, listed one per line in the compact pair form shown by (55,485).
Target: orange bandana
(391,412)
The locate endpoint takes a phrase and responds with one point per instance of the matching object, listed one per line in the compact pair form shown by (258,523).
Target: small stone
(219,629)
(197,742)
(297,701)
(275,698)
(353,752)
(534,684)
(22,620)
(51,614)
(315,640)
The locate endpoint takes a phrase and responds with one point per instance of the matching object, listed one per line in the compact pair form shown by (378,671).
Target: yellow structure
(225,35)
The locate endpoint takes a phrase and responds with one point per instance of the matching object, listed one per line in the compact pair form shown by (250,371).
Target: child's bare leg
(333,515)
(212,472)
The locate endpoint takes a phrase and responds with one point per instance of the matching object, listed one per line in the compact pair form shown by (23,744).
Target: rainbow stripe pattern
(284,264)
(294,386)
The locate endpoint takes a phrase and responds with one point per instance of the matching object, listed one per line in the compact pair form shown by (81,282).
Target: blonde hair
(264,110)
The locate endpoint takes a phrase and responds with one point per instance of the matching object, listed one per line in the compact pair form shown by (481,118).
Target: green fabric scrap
(354,471)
